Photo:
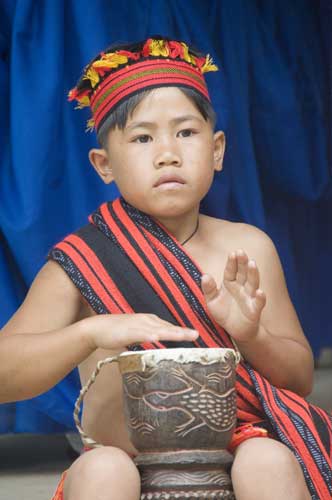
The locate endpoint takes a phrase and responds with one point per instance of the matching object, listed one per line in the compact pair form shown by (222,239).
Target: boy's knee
(106,458)
(264,468)
(102,466)
(260,456)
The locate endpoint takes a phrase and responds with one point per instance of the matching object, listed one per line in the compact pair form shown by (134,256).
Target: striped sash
(125,262)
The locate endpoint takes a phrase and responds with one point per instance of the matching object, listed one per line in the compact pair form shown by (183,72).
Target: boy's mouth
(169,180)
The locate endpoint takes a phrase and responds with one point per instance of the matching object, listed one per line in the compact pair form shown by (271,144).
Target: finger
(178,335)
(260,299)
(242,267)
(173,333)
(162,323)
(230,268)
(252,282)
(134,336)
(154,321)
(157,324)
(165,326)
(209,287)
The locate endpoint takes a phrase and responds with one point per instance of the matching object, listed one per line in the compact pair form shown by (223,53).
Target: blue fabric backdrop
(274,93)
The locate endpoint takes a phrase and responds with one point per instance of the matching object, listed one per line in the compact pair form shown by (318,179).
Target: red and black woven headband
(114,76)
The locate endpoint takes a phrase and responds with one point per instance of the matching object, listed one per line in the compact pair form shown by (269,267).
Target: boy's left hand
(237,305)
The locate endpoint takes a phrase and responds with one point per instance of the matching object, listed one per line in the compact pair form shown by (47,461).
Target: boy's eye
(142,139)
(187,132)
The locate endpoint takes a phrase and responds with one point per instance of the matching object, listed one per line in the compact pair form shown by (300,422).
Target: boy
(167,274)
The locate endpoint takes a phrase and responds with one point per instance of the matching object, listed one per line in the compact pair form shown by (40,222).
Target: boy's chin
(173,211)
(165,207)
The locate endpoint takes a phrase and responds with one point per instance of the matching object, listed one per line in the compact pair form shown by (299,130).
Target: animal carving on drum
(177,404)
(199,404)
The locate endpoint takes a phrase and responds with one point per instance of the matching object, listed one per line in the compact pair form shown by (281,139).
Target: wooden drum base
(190,475)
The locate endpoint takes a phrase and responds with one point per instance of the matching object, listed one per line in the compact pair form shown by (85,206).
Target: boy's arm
(47,337)
(258,313)
(280,351)
(30,362)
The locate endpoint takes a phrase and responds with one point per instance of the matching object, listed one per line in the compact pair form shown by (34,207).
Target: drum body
(180,407)
(179,398)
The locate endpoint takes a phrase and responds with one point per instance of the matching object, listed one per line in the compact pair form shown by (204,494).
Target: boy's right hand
(115,331)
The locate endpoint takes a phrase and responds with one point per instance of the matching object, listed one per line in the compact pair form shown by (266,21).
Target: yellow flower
(90,125)
(113,60)
(186,56)
(92,75)
(208,65)
(83,102)
(159,48)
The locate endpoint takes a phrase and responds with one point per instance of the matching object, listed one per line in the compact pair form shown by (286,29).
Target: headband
(115,76)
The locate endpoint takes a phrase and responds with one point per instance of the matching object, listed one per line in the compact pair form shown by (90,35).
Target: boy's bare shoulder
(53,302)
(238,235)
(54,280)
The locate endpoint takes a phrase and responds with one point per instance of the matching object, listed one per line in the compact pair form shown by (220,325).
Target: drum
(180,407)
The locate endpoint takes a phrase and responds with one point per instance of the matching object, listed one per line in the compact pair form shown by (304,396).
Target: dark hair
(119,117)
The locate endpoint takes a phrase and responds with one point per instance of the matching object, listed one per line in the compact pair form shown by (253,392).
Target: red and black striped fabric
(124,82)
(125,262)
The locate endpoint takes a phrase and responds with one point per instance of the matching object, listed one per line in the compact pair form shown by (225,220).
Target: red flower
(146,48)
(176,49)
(130,55)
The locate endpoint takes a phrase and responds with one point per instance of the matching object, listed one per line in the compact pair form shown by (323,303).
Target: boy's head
(117,80)
(153,117)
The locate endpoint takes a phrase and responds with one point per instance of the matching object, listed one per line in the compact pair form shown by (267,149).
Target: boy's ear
(219,150)
(99,160)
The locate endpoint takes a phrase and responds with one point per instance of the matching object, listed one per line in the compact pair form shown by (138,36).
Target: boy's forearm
(33,363)
(284,362)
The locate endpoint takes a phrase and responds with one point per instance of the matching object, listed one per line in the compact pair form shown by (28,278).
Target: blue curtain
(272,95)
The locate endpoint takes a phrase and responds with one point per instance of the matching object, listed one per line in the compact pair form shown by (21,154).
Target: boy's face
(164,160)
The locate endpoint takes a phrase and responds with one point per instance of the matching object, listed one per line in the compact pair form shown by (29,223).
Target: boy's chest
(211,262)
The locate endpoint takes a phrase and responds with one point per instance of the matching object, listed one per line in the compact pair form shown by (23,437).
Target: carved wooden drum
(180,407)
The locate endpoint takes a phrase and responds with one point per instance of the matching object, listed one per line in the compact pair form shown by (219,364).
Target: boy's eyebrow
(174,121)
(185,118)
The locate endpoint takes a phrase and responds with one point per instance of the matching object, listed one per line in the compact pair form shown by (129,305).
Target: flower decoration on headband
(113,76)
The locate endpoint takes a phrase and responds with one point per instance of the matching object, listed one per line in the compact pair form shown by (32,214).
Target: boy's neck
(182,228)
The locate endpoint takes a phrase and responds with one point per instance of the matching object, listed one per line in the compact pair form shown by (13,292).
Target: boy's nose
(167,158)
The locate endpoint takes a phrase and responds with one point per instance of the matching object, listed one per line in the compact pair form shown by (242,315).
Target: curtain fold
(272,96)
